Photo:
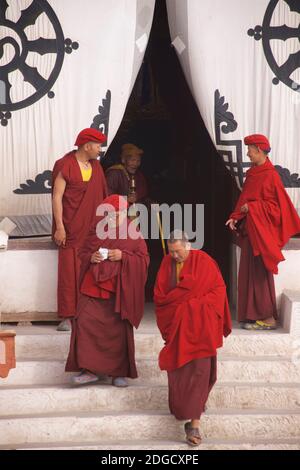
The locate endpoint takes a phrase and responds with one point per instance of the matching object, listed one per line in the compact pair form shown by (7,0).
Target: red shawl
(130,272)
(194,316)
(80,199)
(272,218)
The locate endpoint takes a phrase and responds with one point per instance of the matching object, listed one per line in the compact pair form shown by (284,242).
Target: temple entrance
(180,162)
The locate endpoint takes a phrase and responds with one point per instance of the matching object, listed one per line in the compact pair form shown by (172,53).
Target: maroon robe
(190,386)
(256,288)
(271,219)
(118,182)
(102,338)
(267,226)
(80,202)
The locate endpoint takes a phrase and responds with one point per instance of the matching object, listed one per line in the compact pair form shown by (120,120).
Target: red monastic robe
(118,182)
(194,316)
(271,219)
(111,304)
(80,202)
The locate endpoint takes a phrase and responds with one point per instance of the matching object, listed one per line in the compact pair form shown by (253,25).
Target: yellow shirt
(86,173)
(179,267)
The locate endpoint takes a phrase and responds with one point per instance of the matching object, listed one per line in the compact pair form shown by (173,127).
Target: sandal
(84,378)
(259,325)
(191,434)
(119,382)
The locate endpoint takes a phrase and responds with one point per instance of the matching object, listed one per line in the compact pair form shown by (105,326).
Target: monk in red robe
(79,187)
(111,303)
(193,316)
(126,178)
(264,219)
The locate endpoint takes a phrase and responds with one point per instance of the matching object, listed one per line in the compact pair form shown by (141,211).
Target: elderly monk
(264,220)
(114,272)
(193,316)
(79,187)
(126,178)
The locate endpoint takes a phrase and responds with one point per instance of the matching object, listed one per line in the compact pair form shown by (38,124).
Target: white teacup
(103,252)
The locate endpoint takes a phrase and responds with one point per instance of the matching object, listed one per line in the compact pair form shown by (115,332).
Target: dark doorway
(180,161)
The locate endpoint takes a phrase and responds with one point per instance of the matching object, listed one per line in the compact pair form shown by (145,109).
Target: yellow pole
(161,233)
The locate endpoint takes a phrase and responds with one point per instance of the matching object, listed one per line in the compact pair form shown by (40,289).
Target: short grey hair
(178,235)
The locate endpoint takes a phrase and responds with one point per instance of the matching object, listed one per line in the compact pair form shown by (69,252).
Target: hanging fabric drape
(66,65)
(242,63)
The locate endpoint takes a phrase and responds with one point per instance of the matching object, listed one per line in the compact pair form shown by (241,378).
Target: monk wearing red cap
(193,316)
(79,187)
(264,219)
(114,271)
(126,178)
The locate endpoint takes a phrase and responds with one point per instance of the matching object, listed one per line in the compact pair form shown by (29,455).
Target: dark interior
(180,161)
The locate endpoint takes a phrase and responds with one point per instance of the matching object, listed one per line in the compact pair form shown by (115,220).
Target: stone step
(53,344)
(271,370)
(207,444)
(44,342)
(100,398)
(116,427)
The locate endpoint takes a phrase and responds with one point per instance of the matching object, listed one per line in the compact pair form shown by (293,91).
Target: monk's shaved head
(179,245)
(178,235)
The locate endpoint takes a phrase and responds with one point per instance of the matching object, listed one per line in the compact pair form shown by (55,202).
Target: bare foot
(193,437)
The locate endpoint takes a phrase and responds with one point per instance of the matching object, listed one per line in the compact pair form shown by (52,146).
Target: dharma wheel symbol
(286,71)
(29,63)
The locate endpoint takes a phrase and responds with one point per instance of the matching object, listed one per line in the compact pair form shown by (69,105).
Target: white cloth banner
(64,65)
(242,63)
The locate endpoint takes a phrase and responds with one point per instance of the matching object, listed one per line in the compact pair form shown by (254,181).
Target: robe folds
(271,219)
(111,304)
(130,272)
(256,288)
(189,387)
(194,316)
(80,202)
(118,182)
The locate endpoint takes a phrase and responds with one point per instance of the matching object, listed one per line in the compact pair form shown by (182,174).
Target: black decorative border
(100,122)
(38,186)
(289,180)
(235,165)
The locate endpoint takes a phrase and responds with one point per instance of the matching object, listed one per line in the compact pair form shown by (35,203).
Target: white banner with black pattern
(64,65)
(242,63)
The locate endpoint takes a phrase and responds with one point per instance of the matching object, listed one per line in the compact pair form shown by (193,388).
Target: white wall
(28,281)
(288,272)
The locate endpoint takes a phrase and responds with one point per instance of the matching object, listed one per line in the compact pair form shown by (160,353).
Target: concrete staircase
(255,404)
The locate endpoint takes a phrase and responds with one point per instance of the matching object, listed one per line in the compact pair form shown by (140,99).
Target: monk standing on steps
(111,302)
(79,187)
(264,219)
(193,316)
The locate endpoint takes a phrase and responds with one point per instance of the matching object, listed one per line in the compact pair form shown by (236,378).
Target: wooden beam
(28,316)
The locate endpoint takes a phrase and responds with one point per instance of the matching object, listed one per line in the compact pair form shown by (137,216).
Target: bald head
(179,245)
